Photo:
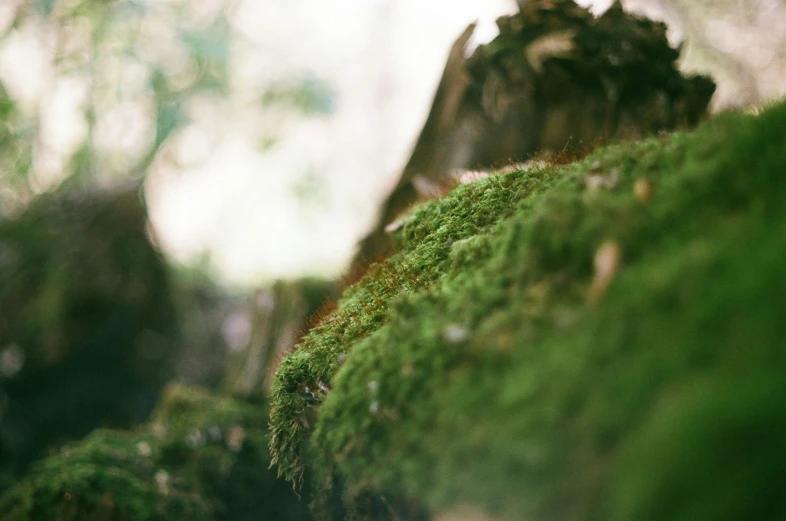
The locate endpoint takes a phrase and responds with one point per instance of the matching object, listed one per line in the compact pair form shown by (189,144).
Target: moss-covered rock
(202,457)
(86,321)
(597,341)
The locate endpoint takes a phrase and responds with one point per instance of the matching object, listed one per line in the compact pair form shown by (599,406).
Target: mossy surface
(202,458)
(426,241)
(606,342)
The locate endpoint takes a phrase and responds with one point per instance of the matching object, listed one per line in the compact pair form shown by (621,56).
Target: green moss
(202,457)
(509,382)
(426,239)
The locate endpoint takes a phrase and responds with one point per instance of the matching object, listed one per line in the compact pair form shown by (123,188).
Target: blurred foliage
(310,95)
(146,59)
(137,72)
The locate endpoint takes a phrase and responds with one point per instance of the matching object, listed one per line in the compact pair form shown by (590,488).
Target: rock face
(555,80)
(86,322)
(601,340)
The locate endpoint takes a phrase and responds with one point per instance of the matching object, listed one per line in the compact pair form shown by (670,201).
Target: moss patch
(202,458)
(599,341)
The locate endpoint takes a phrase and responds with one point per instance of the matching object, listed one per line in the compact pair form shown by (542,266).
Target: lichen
(564,348)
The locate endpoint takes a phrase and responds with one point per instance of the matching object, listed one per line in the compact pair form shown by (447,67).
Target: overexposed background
(255,183)
(381,60)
